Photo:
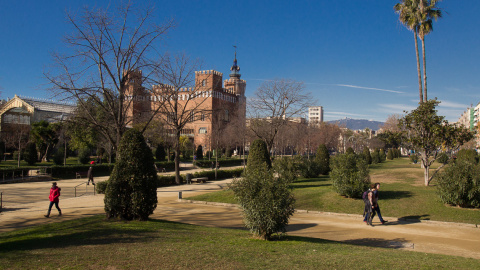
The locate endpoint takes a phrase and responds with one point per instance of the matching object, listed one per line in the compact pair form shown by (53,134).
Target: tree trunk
(424,69)
(426,176)
(177,159)
(418,66)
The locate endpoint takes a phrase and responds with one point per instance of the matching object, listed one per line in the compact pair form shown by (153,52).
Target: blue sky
(354,56)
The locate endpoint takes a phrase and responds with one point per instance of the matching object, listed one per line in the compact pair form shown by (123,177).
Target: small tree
(266,199)
(350,175)
(382,155)
(323,159)
(58,156)
(199,152)
(349,151)
(84,156)
(366,155)
(160,153)
(258,155)
(30,153)
(131,191)
(390,154)
(376,157)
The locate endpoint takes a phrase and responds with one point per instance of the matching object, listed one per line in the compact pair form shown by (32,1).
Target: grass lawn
(95,243)
(402,194)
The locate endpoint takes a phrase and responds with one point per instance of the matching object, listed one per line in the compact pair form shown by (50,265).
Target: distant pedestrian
(369,202)
(54,199)
(90,176)
(213,165)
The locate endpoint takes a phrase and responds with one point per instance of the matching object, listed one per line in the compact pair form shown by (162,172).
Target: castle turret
(234,84)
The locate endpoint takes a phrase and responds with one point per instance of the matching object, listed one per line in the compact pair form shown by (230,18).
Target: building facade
(212,109)
(315,114)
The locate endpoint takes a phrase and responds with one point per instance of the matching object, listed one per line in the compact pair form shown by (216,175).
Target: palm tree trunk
(418,66)
(424,69)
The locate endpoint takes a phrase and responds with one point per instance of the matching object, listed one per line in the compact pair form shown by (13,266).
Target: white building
(315,114)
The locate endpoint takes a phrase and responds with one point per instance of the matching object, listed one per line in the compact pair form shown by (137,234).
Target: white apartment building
(315,114)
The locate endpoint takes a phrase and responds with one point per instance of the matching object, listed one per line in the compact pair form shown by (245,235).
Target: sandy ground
(24,205)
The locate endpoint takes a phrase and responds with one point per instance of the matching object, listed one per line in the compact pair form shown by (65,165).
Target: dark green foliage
(84,156)
(469,155)
(68,172)
(258,155)
(15,155)
(349,151)
(442,158)
(131,191)
(199,152)
(290,168)
(366,155)
(390,154)
(459,184)
(58,156)
(228,152)
(350,175)
(2,150)
(267,201)
(414,158)
(323,159)
(101,186)
(375,157)
(382,155)
(30,154)
(397,153)
(223,163)
(308,168)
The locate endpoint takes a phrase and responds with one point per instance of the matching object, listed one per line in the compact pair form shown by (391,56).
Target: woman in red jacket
(54,194)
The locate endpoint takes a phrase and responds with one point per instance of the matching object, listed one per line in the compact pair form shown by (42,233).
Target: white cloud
(450,104)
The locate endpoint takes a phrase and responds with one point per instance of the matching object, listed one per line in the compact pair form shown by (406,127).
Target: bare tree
(109,48)
(181,98)
(273,104)
(16,136)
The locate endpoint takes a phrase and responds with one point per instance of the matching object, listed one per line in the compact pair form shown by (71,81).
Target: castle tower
(235,85)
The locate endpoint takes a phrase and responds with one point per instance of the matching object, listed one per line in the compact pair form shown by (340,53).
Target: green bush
(30,154)
(459,184)
(258,155)
(349,151)
(469,155)
(390,154)
(322,158)
(131,191)
(307,168)
(375,157)
(366,155)
(15,155)
(68,172)
(223,163)
(58,156)
(350,175)
(397,153)
(382,155)
(199,152)
(442,158)
(101,186)
(267,201)
(84,156)
(160,153)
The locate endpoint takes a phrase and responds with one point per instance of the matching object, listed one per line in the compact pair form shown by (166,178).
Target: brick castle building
(210,109)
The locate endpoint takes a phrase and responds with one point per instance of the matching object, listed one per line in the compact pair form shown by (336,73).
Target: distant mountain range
(355,124)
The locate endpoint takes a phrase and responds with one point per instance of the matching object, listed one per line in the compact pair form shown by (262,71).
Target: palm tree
(408,11)
(428,11)
(417,16)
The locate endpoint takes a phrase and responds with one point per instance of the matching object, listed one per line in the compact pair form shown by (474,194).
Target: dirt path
(429,237)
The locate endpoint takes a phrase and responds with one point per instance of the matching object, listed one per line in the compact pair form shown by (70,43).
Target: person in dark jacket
(90,176)
(54,199)
(376,208)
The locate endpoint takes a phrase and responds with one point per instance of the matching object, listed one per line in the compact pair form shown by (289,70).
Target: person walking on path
(369,205)
(376,208)
(90,176)
(54,195)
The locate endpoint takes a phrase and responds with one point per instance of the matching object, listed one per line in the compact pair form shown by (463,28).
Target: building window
(202,117)
(202,130)
(204,82)
(192,116)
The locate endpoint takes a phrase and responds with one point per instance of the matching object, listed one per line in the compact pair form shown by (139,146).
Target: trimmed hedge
(68,172)
(223,163)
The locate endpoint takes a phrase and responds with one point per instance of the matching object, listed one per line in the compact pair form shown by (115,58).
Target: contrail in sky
(369,88)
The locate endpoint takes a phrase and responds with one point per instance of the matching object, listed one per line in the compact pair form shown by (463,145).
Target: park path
(26,203)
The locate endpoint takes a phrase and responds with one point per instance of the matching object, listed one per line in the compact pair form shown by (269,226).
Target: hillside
(355,124)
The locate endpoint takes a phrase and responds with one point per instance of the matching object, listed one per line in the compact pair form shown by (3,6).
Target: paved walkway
(26,203)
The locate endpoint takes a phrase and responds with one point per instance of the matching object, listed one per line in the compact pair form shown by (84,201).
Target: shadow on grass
(370,242)
(392,195)
(310,186)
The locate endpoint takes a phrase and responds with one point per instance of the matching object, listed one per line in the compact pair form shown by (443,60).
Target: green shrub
(459,184)
(307,168)
(258,155)
(101,186)
(58,156)
(84,156)
(469,155)
(267,201)
(322,158)
(16,154)
(397,153)
(350,175)
(442,158)
(131,191)
(366,155)
(375,157)
(349,151)
(390,154)
(382,155)
(30,154)
(160,153)
(199,152)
